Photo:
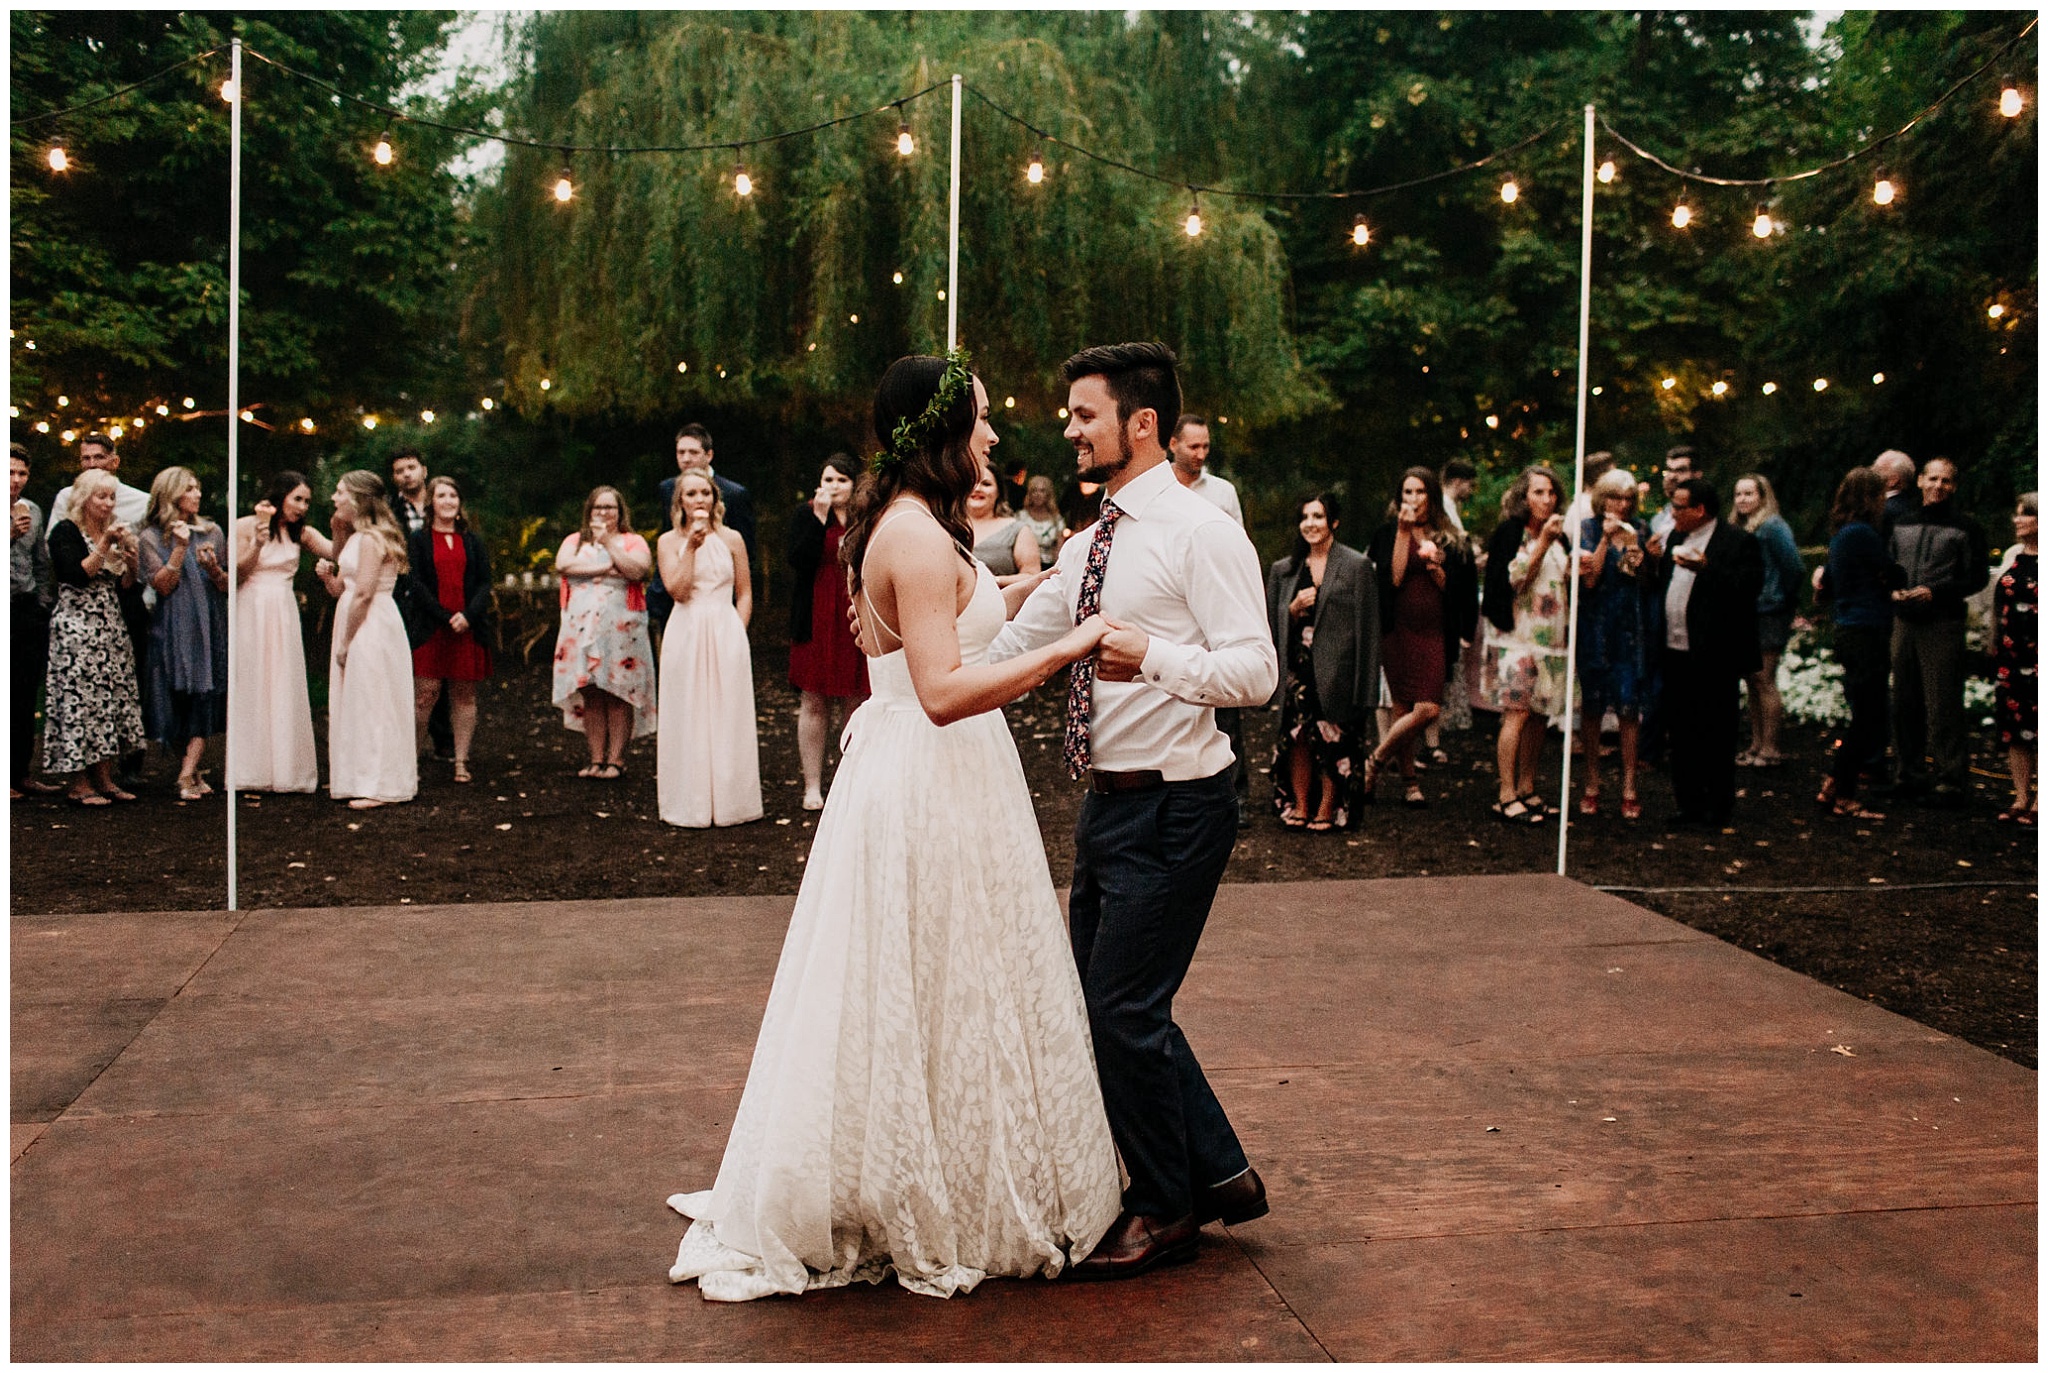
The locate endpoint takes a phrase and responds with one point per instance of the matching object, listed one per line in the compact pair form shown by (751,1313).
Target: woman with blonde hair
(92,713)
(1614,640)
(371,760)
(1756,510)
(1528,583)
(184,559)
(707,768)
(604,662)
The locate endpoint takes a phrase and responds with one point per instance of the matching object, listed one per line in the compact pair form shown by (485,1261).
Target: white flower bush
(1810,680)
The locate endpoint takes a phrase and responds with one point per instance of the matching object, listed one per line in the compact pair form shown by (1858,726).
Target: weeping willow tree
(656,288)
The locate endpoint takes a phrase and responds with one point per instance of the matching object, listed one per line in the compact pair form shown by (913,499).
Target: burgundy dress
(457,657)
(831,664)
(1412,655)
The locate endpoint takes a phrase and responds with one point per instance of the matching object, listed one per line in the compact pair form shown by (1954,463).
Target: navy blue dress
(1612,638)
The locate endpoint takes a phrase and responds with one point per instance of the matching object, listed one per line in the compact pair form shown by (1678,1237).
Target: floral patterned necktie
(1081,676)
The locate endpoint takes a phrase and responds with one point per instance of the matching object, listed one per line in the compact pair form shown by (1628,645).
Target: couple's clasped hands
(1118,650)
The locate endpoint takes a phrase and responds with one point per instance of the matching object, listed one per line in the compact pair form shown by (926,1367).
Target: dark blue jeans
(1146,865)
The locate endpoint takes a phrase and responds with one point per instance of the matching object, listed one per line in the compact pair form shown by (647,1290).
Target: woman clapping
(707,759)
(184,559)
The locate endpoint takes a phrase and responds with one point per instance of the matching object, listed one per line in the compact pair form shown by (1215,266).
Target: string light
(1063,412)
(2009,102)
(42,426)
(115,431)
(248,417)
(1720,388)
(487,404)
(546,385)
(564,187)
(1668,383)
(942,293)
(1681,215)
(1035,172)
(59,159)
(1770,388)
(163,409)
(1360,235)
(1509,191)
(1820,383)
(382,152)
(1762,225)
(68,435)
(189,402)
(1009,402)
(1877,378)
(139,421)
(1605,176)
(1193,223)
(1493,421)
(905,144)
(1884,192)
(1598,389)
(426,417)
(742,184)
(1997,311)
(306,425)
(850,319)
(369,421)
(897,278)
(682,367)
(227,90)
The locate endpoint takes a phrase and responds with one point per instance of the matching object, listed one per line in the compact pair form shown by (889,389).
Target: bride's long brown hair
(941,471)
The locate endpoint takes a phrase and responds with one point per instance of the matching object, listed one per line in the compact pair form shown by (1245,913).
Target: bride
(923,1096)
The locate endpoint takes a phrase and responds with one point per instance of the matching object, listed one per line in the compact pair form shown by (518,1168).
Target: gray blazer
(1346,651)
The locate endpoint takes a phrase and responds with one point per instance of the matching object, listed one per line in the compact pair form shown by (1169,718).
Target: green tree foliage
(120,263)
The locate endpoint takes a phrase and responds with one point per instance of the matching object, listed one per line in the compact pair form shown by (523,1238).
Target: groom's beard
(1101,469)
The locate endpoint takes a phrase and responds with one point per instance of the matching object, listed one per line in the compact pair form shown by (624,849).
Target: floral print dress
(92,709)
(1529,663)
(603,644)
(1337,752)
(2016,656)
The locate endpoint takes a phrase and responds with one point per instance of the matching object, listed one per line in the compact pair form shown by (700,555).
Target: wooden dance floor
(1500,1118)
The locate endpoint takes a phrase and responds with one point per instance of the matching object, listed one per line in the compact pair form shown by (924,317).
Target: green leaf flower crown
(913,432)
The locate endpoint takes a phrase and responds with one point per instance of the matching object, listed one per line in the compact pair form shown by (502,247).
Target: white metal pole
(953,233)
(234,414)
(1571,657)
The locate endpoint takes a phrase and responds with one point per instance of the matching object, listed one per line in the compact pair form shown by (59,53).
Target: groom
(1181,582)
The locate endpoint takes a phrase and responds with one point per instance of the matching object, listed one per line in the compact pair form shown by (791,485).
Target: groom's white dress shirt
(1186,574)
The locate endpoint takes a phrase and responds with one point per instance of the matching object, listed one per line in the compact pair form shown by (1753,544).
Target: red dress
(831,664)
(459,657)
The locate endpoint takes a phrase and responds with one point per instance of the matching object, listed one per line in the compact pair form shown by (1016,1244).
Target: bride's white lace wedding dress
(923,1096)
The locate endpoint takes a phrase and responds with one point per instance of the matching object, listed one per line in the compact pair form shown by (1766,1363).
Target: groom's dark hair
(1140,376)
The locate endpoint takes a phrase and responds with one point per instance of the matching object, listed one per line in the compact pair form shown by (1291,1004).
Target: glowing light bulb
(1193,224)
(1668,383)
(42,426)
(1820,383)
(68,435)
(1493,421)
(59,159)
(1884,193)
(227,91)
(1360,235)
(1009,402)
(1681,216)
(1510,192)
(306,425)
(850,319)
(248,417)
(1877,378)
(742,184)
(905,144)
(1762,226)
(1606,173)
(2009,102)
(546,385)
(1063,412)
(1996,312)
(382,152)
(14,412)
(897,278)
(1035,173)
(1719,388)
(426,417)
(565,189)
(487,404)
(163,409)
(66,400)
(682,367)
(1770,388)
(369,421)
(189,402)
(140,422)
(1598,389)
(115,431)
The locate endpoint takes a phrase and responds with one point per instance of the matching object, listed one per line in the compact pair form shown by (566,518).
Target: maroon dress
(1412,655)
(831,664)
(456,657)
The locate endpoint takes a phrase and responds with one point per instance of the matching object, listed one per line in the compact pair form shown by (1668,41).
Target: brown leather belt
(1109,783)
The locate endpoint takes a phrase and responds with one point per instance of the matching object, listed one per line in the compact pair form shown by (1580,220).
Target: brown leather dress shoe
(1138,1244)
(1240,1199)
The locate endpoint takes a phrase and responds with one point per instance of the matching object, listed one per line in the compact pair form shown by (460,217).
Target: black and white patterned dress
(92,711)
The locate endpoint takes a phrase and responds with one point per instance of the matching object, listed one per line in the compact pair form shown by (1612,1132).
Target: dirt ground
(1923,932)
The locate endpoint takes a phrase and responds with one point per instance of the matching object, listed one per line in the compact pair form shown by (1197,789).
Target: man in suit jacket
(693,449)
(1705,579)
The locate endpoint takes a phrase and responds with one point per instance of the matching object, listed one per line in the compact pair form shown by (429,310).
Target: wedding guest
(1900,497)
(825,665)
(28,626)
(1460,479)
(1425,589)
(1946,558)
(1041,515)
(2015,659)
(1528,571)
(451,591)
(1002,543)
(414,509)
(1322,604)
(707,758)
(1680,464)
(1708,577)
(1858,578)
(1614,633)
(372,755)
(96,453)
(604,663)
(184,560)
(1189,452)
(270,712)
(1756,511)
(1597,465)
(693,449)
(92,712)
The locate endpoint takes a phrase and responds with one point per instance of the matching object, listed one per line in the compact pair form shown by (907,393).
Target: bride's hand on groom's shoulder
(1121,654)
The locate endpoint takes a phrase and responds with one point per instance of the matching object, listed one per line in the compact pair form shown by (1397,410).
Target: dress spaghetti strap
(889,516)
